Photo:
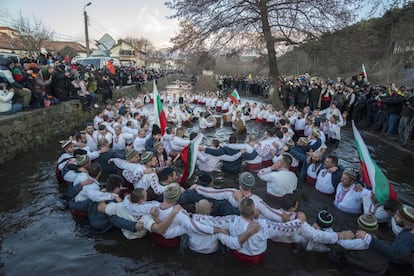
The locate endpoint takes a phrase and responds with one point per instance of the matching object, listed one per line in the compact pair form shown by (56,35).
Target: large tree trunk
(271,54)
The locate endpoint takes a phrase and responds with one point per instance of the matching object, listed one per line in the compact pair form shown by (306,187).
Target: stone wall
(24,131)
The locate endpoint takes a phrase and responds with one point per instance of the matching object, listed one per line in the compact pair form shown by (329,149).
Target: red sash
(163,242)
(256,259)
(253,167)
(294,169)
(310,180)
(224,110)
(218,108)
(79,214)
(267,163)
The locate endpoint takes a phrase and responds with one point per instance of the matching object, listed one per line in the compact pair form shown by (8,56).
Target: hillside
(385,45)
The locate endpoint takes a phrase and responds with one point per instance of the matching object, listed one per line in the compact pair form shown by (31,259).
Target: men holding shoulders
(280,180)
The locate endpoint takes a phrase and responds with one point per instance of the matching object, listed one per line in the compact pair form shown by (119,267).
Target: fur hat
(129,153)
(82,160)
(368,222)
(43,51)
(351,173)
(205,179)
(172,192)
(407,215)
(146,156)
(324,219)
(247,180)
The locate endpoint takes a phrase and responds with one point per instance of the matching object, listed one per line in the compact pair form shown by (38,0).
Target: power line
(102,27)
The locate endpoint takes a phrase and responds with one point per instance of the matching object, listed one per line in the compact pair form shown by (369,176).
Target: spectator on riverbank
(6,103)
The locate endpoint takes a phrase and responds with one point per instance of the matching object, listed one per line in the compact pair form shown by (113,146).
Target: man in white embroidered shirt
(349,195)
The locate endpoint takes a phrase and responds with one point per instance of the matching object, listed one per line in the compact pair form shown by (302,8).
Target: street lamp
(85,15)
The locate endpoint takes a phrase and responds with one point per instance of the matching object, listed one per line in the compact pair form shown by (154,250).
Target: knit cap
(129,153)
(146,156)
(66,143)
(316,132)
(82,160)
(290,143)
(407,215)
(247,180)
(172,192)
(324,219)
(368,222)
(157,145)
(351,173)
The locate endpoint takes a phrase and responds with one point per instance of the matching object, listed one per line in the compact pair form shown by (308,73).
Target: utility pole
(85,15)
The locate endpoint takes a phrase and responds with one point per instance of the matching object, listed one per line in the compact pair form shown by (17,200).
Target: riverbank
(24,131)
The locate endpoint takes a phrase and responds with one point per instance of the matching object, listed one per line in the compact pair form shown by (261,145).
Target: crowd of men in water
(142,194)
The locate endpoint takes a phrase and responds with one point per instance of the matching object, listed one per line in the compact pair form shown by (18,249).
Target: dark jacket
(231,167)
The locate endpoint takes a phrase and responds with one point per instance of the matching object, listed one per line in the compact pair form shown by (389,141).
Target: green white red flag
(371,174)
(159,115)
(189,157)
(364,73)
(234,96)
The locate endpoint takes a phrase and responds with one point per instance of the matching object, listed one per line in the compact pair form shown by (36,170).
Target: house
(58,46)
(11,41)
(127,53)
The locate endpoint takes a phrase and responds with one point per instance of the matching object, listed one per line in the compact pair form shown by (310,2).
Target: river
(39,236)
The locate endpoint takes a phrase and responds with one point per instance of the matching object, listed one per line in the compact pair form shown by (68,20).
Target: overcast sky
(136,18)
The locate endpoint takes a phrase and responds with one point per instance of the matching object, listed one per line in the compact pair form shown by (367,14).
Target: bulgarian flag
(234,96)
(364,73)
(189,157)
(371,173)
(159,115)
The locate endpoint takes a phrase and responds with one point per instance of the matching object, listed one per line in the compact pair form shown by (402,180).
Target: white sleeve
(202,157)
(174,231)
(218,194)
(157,186)
(230,158)
(271,213)
(265,174)
(121,163)
(93,154)
(222,222)
(355,244)
(277,229)
(312,234)
(229,241)
(98,196)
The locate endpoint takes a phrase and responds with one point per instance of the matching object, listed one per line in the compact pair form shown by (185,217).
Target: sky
(136,18)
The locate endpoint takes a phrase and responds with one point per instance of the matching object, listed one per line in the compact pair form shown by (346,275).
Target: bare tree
(232,24)
(33,33)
